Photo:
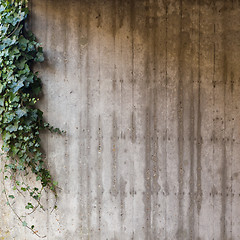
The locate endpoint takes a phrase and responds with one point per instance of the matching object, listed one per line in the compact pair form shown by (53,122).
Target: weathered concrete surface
(149,94)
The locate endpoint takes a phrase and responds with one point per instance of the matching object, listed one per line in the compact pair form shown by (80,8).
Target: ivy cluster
(20,87)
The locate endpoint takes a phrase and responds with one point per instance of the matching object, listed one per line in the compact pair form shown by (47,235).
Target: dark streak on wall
(180,113)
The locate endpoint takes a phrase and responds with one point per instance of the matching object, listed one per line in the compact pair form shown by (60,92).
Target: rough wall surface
(149,93)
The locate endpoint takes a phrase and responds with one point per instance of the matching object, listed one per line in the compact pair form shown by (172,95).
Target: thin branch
(14,30)
(13,210)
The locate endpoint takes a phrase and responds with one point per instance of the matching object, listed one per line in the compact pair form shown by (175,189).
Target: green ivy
(20,87)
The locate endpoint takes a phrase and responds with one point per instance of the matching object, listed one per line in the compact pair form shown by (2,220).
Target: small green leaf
(17,86)
(29,205)
(24,224)
(39,57)
(14,150)
(1,88)
(38,178)
(21,112)
(11,128)
(55,183)
(2,101)
(6,135)
(21,63)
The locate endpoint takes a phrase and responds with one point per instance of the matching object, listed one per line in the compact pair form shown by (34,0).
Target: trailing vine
(20,120)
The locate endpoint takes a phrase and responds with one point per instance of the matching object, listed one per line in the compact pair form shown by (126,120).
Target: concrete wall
(149,93)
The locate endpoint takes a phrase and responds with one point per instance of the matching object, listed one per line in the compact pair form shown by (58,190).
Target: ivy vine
(20,120)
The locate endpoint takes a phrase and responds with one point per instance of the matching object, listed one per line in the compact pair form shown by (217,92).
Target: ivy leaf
(1,110)
(2,46)
(21,63)
(39,57)
(8,117)
(28,206)
(15,51)
(2,101)
(38,178)
(6,136)
(23,42)
(13,97)
(2,8)
(9,41)
(17,86)
(11,196)
(24,224)
(55,183)
(12,128)
(21,112)
(1,88)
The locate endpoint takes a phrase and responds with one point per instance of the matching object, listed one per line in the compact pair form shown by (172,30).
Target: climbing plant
(20,120)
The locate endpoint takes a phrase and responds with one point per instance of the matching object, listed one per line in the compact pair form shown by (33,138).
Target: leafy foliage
(20,88)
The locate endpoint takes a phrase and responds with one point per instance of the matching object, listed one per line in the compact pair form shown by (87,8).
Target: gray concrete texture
(149,94)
